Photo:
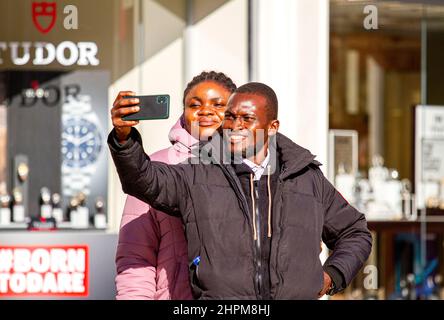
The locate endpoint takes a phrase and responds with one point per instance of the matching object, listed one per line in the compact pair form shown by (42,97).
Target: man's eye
(228,116)
(248,119)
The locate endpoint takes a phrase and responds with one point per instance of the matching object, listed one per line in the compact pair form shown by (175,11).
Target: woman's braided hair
(218,77)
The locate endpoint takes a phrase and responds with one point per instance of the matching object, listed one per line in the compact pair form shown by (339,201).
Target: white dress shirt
(258,170)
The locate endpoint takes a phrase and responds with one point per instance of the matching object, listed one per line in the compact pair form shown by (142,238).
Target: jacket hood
(179,137)
(292,156)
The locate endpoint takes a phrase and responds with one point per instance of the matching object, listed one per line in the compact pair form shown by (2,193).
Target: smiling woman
(156,266)
(204,109)
(204,105)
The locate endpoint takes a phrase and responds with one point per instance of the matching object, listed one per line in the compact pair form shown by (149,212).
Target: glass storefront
(62,63)
(55,72)
(384,89)
(57,62)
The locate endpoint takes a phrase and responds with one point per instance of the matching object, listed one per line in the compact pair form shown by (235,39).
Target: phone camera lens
(161,100)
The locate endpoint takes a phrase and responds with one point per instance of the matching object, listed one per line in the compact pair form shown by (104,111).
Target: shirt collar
(253,166)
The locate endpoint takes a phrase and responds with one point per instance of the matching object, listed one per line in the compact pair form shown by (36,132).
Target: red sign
(56,270)
(44,15)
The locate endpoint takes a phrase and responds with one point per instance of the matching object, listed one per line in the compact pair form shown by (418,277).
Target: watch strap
(75,180)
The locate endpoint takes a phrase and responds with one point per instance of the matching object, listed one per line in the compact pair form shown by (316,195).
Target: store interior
(379,79)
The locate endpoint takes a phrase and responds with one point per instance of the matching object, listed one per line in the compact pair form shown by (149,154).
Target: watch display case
(56,124)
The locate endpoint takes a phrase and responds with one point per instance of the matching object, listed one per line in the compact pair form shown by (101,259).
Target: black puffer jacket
(219,228)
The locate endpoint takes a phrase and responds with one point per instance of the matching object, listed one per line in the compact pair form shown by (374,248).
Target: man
(254,224)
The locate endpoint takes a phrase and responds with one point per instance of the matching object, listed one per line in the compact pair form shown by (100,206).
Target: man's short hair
(264,91)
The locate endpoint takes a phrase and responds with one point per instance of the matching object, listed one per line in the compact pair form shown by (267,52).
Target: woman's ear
(273,128)
(182,118)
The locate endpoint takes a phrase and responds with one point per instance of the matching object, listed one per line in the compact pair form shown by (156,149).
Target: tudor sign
(43,10)
(44,270)
(42,53)
(66,53)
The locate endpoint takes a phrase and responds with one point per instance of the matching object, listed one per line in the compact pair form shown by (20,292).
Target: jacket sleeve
(136,256)
(344,232)
(161,185)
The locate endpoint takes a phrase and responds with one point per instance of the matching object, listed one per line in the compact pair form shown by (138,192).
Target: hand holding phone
(151,107)
(122,107)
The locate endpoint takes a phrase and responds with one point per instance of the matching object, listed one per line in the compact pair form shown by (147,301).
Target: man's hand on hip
(327,285)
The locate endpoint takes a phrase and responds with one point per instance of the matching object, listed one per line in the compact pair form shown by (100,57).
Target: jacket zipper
(259,276)
(236,184)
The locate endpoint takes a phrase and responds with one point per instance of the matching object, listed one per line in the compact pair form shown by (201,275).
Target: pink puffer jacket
(152,259)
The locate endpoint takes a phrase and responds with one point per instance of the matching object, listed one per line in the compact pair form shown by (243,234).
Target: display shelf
(64,226)
(433,224)
(385,233)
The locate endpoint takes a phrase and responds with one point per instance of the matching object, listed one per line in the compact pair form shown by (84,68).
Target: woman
(152,259)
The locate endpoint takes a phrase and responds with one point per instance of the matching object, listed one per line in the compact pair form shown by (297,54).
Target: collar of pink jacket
(179,137)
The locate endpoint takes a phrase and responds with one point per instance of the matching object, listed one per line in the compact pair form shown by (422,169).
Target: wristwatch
(81,144)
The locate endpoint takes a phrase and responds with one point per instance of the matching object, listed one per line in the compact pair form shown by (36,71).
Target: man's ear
(273,127)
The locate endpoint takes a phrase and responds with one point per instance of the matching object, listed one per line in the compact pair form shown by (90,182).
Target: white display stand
(429,152)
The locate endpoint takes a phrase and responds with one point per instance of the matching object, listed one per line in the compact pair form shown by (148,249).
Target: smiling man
(254,224)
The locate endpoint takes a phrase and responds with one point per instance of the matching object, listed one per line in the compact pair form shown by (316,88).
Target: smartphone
(151,107)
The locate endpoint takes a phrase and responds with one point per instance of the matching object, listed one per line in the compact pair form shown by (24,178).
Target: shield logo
(44,15)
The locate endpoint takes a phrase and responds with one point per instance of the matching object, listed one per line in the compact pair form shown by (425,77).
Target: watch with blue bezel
(82,144)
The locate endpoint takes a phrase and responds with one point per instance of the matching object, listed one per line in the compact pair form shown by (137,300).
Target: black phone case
(151,107)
